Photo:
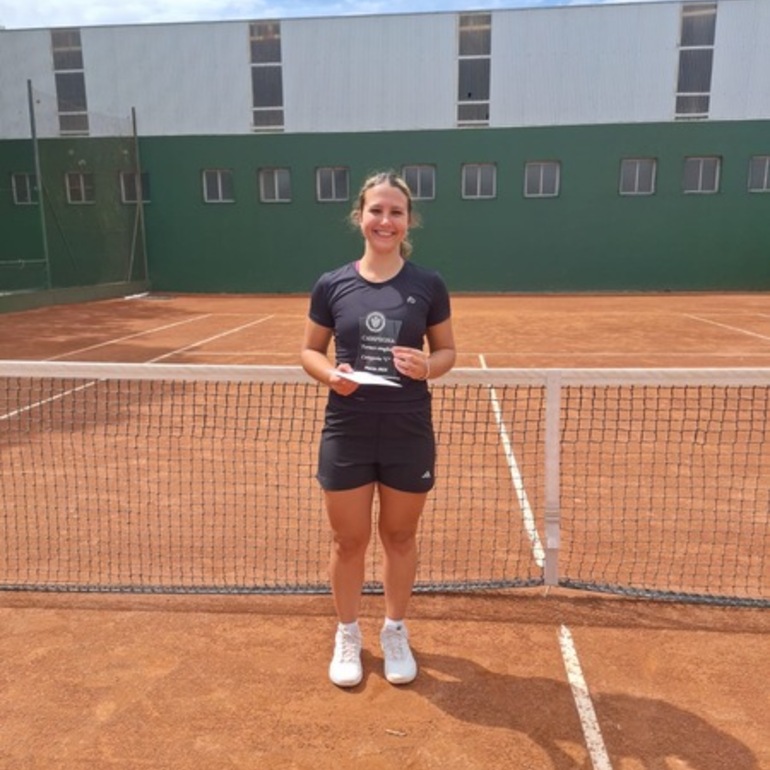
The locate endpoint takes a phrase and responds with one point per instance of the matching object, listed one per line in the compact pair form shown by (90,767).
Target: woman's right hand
(342,385)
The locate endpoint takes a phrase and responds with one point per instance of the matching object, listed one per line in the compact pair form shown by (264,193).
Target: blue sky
(22,14)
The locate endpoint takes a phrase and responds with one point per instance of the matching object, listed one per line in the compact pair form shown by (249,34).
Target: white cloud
(16,14)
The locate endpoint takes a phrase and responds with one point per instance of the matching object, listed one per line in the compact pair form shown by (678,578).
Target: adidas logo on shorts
(426,475)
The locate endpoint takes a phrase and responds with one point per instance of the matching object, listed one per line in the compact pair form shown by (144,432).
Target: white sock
(351,628)
(390,623)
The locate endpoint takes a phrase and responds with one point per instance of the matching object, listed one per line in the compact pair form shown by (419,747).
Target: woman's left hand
(411,362)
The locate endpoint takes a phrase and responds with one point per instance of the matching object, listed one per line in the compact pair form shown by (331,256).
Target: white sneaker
(345,669)
(400,665)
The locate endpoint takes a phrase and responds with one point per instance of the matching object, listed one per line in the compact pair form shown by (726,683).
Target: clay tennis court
(521,678)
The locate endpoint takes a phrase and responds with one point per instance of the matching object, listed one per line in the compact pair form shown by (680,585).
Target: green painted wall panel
(589,238)
(87,244)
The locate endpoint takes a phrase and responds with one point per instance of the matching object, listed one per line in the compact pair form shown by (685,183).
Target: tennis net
(163,478)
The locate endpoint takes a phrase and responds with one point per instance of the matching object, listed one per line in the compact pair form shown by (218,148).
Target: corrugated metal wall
(552,66)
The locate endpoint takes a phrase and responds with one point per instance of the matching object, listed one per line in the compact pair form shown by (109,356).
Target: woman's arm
(314,358)
(419,365)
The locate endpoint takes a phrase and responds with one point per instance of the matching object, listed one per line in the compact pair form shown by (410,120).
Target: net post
(551,475)
(139,202)
(39,175)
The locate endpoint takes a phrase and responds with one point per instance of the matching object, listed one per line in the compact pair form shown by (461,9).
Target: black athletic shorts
(358,448)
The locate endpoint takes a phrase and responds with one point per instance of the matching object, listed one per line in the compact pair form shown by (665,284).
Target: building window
(701,175)
(274,185)
(542,179)
(696,58)
(266,76)
(637,176)
(70,81)
(218,186)
(479,180)
(759,173)
(474,67)
(130,187)
(24,187)
(80,187)
(421,181)
(332,184)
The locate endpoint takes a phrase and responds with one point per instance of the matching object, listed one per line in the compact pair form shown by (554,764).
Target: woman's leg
(350,517)
(399,519)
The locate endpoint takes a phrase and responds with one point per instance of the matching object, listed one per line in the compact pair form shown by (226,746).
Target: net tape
(166,478)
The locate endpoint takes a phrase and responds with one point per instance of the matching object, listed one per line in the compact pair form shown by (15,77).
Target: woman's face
(384,218)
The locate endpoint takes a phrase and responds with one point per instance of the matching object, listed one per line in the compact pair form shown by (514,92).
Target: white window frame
(270,184)
(131,176)
(72,122)
(482,20)
(221,174)
(688,11)
(637,164)
(476,169)
(336,197)
(765,160)
(267,117)
(28,195)
(80,188)
(417,191)
(702,161)
(541,166)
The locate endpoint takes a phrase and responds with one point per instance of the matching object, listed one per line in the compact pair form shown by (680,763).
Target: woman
(377,438)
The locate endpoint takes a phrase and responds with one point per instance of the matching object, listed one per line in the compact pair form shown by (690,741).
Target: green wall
(90,244)
(587,239)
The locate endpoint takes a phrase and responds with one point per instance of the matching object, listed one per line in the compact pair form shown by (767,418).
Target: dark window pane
(532,184)
(267,86)
(710,174)
(628,176)
(698,28)
(470,181)
(550,178)
(487,187)
(211,185)
(758,174)
(426,186)
(646,176)
(68,60)
(692,105)
(325,182)
(341,184)
(695,71)
(265,51)
(475,42)
(73,124)
(228,189)
(473,81)
(473,113)
(71,92)
(65,38)
(284,184)
(268,118)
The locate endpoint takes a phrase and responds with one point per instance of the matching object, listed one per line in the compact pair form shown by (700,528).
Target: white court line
(585,707)
(91,383)
(728,326)
(129,337)
(518,483)
(210,339)
(36,404)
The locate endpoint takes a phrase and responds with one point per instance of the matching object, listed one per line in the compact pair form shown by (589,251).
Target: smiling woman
(375,440)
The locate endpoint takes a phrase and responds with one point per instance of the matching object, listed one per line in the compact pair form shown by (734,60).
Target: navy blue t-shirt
(368,319)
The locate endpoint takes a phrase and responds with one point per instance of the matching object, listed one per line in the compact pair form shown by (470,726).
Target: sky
(26,14)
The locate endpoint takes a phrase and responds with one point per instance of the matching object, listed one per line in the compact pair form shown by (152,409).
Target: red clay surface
(93,681)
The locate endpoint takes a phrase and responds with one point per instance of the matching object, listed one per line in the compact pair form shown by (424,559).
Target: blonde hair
(394,180)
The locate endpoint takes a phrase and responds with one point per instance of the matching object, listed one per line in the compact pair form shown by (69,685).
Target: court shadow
(645,731)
